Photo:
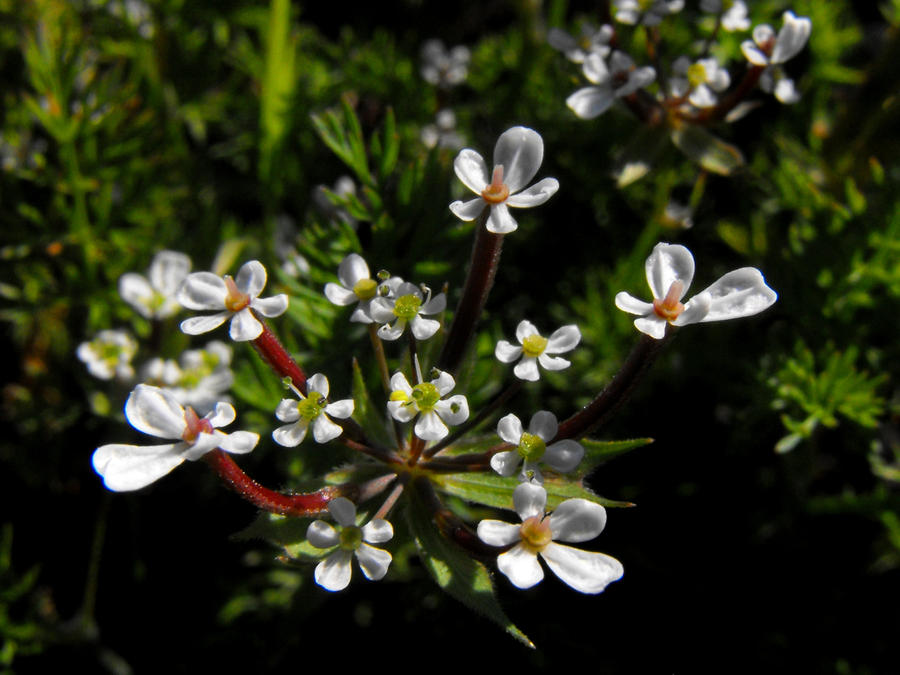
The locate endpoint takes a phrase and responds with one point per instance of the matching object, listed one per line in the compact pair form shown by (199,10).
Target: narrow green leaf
(596,452)
(278,85)
(710,152)
(390,146)
(372,419)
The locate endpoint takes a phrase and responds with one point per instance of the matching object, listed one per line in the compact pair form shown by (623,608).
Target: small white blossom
(109,355)
(531,447)
(517,157)
(407,305)
(156,412)
(444,68)
(575,520)
(536,349)
(646,12)
(356,286)
(621,78)
(311,410)
(443,133)
(333,573)
(155,297)
(768,50)
(426,400)
(670,270)
(734,13)
(202,378)
(699,81)
(237,298)
(591,40)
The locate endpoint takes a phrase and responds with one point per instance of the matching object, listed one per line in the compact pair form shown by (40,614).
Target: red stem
(272,352)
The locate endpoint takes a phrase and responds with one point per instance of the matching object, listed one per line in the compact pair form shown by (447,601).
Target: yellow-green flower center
(535,533)
(696,74)
(425,396)
(312,406)
(531,447)
(365,289)
(350,538)
(407,306)
(534,345)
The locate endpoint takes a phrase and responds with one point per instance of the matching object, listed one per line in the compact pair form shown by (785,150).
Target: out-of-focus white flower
(575,520)
(444,68)
(333,573)
(531,447)
(517,157)
(311,410)
(734,13)
(156,412)
(646,12)
(109,354)
(670,270)
(535,349)
(590,41)
(238,298)
(407,305)
(767,49)
(699,81)
(426,400)
(621,78)
(344,187)
(774,80)
(155,297)
(678,215)
(200,380)
(442,134)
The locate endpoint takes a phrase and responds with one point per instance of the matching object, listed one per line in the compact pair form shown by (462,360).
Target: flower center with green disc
(531,447)
(235,301)
(312,406)
(350,538)
(535,533)
(696,74)
(407,306)
(365,289)
(534,345)
(425,396)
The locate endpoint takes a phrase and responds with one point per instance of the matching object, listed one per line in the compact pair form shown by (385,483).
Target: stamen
(194,426)
(669,308)
(496,192)
(235,301)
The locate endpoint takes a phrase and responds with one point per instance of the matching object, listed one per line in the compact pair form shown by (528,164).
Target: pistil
(496,192)
(669,308)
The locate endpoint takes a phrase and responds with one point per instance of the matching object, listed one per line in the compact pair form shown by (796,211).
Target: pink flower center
(669,308)
(194,426)
(496,192)
(235,301)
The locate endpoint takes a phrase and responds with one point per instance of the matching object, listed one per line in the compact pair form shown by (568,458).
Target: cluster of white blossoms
(771,51)
(200,378)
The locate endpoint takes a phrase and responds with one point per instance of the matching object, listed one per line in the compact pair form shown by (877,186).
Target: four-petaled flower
(621,78)
(154,298)
(517,158)
(646,12)
(767,49)
(238,298)
(536,349)
(670,270)
(531,447)
(157,412)
(356,286)
(733,13)
(109,354)
(699,81)
(576,49)
(407,305)
(312,409)
(426,400)
(333,573)
(574,520)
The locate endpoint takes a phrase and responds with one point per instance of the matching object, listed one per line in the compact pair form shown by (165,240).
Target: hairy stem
(272,352)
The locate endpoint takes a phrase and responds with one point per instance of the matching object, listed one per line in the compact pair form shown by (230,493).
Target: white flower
(591,40)
(646,12)
(734,16)
(109,354)
(442,68)
(699,81)
(536,349)
(442,134)
(356,286)
(620,78)
(575,520)
(531,447)
(312,409)
(333,573)
(238,298)
(670,270)
(768,50)
(425,400)
(156,412)
(154,298)
(202,379)
(407,305)
(517,158)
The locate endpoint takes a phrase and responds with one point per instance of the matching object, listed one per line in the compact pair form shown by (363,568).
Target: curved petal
(400,411)
(534,195)
(590,102)
(291,435)
(203,290)
(373,562)
(506,463)
(507,352)
(444,382)
(423,328)
(653,326)
(564,455)
(168,270)
(324,429)
(786,92)
(577,520)
(543,423)
(695,310)
(382,310)
(585,571)
(529,500)
(455,410)
(666,264)
(245,326)
(318,383)
(762,34)
(130,467)
(251,278)
(377,531)
(637,79)
(754,54)
(469,210)
(702,97)
(498,533)
(333,573)
(520,151)
(238,442)
(322,535)
(197,325)
(628,303)
(472,170)
(287,410)
(352,269)
(429,427)
(399,383)
(739,293)
(520,566)
(437,304)
(341,409)
(500,221)
(222,416)
(595,69)
(389,332)
(155,411)
(563,339)
(792,37)
(360,315)
(136,291)
(553,362)
(273,306)
(525,329)
(527,369)
(343,511)
(338,295)
(509,428)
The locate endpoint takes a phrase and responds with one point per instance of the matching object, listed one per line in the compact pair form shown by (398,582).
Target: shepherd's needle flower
(426,400)
(670,270)
(575,520)
(537,349)
(356,286)
(155,297)
(312,409)
(333,573)
(109,355)
(517,158)
(699,81)
(591,40)
(531,447)
(646,12)
(768,50)
(156,412)
(733,13)
(444,68)
(443,133)
(406,305)
(238,298)
(621,78)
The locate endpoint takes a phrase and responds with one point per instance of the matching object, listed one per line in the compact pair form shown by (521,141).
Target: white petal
(653,326)
(506,352)
(666,264)
(382,310)
(739,293)
(543,423)
(791,38)
(197,325)
(377,531)
(203,290)
(563,339)
(423,328)
(400,411)
(527,369)
(322,535)
(628,303)
(291,435)
(786,92)
(324,429)
(399,383)
(695,310)
(590,102)
(131,467)
(509,428)
(577,520)
(318,383)
(500,221)
(529,500)
(525,329)
(341,409)
(156,412)
(637,79)
(564,456)
(136,291)
(520,566)
(763,33)
(287,410)
(273,306)
(373,561)
(585,571)
(333,573)
(168,270)
(352,269)
(754,54)
(595,69)
(702,97)
(429,427)
(343,511)
(535,194)
(360,314)
(498,533)
(444,383)
(520,151)
(437,304)
(238,442)
(472,170)
(506,463)
(388,332)
(469,210)
(222,416)
(338,295)
(251,278)
(245,326)
(445,410)
(553,362)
